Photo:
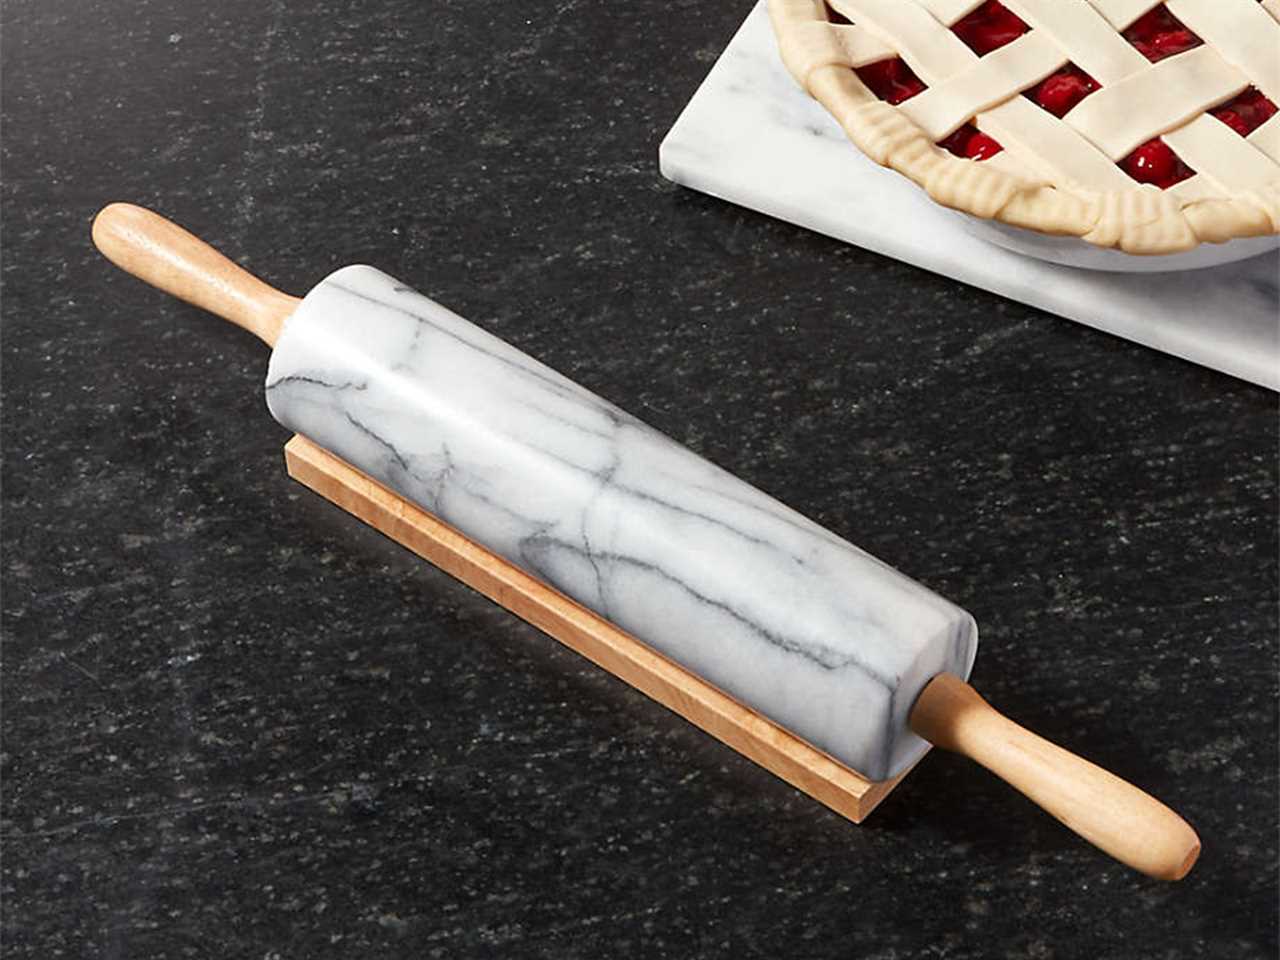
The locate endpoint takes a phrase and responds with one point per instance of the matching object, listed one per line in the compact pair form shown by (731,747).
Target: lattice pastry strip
(1063,152)
(933,51)
(1267,137)
(949,11)
(1086,37)
(862,47)
(987,83)
(1242,34)
(1172,93)
(1222,155)
(1123,13)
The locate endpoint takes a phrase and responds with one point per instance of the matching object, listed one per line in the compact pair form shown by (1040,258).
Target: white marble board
(751,136)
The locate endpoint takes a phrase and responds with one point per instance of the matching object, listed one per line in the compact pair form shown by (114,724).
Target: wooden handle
(1115,816)
(160,252)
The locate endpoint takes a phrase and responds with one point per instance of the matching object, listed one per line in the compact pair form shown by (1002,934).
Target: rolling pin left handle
(166,256)
(1113,815)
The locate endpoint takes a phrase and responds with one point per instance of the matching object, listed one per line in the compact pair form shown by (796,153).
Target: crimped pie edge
(1144,220)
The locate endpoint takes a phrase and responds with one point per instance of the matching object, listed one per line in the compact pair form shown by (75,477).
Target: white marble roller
(775,610)
(741,591)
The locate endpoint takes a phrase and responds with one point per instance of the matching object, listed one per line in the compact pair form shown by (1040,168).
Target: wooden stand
(755,737)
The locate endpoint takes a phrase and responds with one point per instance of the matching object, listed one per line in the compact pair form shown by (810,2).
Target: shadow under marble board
(751,136)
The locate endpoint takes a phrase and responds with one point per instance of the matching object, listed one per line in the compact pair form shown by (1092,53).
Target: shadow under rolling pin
(789,644)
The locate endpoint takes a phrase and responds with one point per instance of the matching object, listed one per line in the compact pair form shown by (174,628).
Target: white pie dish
(1074,252)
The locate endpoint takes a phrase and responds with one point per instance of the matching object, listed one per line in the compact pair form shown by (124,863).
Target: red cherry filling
(981,146)
(1061,91)
(1247,112)
(1158,34)
(836,17)
(1155,163)
(891,80)
(969,142)
(989,27)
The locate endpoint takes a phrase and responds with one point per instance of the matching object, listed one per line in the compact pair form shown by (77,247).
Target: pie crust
(1059,175)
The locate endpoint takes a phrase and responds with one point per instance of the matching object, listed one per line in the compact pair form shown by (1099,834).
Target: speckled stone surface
(238,724)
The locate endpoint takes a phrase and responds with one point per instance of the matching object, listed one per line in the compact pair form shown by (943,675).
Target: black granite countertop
(238,724)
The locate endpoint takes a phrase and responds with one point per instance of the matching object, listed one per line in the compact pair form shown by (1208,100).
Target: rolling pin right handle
(164,255)
(1113,815)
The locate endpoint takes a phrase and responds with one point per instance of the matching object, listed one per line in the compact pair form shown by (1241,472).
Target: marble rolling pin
(773,633)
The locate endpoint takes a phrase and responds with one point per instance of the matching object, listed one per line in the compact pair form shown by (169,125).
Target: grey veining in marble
(752,136)
(769,606)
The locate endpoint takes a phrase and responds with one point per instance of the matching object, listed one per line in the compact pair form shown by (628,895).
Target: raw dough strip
(1216,151)
(861,46)
(1253,50)
(1092,43)
(1170,94)
(943,109)
(1062,150)
(1267,137)
(929,47)
(1122,13)
(949,11)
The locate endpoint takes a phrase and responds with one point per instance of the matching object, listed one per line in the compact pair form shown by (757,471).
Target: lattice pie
(1146,126)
